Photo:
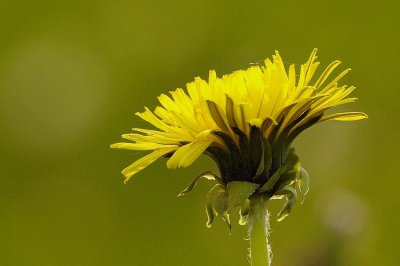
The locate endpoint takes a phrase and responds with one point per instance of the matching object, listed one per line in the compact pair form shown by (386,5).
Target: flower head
(246,121)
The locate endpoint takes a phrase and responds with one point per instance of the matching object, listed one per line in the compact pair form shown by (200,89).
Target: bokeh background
(72,75)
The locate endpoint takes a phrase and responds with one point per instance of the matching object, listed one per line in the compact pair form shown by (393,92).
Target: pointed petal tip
(281,218)
(346,116)
(360,116)
(127,174)
(116,145)
(182,193)
(126,179)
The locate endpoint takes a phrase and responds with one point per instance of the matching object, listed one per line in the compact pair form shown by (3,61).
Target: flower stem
(260,251)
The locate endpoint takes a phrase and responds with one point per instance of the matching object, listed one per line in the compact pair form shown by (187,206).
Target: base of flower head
(253,165)
(285,183)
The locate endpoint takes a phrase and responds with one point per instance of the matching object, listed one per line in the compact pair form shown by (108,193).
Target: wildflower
(246,122)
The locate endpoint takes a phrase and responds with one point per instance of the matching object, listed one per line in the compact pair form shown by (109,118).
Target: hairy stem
(260,251)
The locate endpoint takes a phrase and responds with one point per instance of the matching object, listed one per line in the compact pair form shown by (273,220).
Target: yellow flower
(246,121)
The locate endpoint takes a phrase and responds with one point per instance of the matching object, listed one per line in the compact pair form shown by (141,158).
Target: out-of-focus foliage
(73,73)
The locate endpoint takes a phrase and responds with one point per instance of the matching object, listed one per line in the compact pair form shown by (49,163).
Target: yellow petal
(148,116)
(193,153)
(334,82)
(307,69)
(187,154)
(153,138)
(145,161)
(326,73)
(140,146)
(347,116)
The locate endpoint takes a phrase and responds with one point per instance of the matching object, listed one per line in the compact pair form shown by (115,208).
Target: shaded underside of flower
(246,121)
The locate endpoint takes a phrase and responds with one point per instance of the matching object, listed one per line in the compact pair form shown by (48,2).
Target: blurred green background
(72,75)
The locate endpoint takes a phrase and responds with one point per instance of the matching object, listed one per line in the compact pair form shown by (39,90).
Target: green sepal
(271,181)
(291,198)
(256,151)
(222,159)
(226,218)
(233,154)
(303,183)
(244,212)
(292,163)
(244,147)
(287,171)
(209,175)
(238,192)
(290,177)
(216,204)
(260,168)
(261,155)
(267,155)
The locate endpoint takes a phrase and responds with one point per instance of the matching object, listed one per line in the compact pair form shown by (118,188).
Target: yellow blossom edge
(276,100)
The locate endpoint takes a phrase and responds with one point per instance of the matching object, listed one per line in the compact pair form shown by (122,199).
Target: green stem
(260,251)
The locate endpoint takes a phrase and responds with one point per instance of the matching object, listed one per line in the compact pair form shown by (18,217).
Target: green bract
(251,168)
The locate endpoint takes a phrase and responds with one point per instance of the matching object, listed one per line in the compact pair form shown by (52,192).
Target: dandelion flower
(246,122)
